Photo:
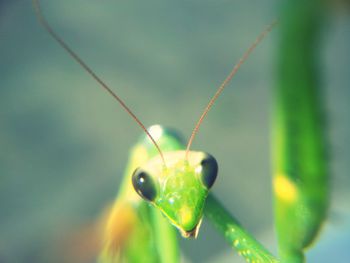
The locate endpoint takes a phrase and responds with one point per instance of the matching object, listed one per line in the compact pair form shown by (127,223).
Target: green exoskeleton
(166,185)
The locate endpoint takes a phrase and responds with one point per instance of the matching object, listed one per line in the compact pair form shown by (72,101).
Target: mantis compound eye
(209,171)
(144,185)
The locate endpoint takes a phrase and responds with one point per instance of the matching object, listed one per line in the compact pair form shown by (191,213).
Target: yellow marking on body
(185,215)
(285,189)
(140,154)
(236,242)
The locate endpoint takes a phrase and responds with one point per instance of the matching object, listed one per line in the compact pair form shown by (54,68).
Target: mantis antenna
(65,46)
(225,82)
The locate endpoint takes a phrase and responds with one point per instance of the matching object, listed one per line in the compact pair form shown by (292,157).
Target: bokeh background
(64,142)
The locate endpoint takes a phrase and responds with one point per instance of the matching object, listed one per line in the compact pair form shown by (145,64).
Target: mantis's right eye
(209,171)
(143,185)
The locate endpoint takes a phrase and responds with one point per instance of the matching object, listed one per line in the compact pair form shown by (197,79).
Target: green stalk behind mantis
(300,176)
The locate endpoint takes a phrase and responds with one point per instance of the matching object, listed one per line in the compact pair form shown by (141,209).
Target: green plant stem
(238,238)
(300,176)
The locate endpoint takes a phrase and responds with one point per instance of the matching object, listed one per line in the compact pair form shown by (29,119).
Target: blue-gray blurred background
(64,142)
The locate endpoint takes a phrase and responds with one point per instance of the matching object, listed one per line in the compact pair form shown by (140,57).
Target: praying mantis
(166,189)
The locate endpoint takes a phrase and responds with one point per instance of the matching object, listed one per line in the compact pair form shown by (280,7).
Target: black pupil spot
(209,171)
(143,185)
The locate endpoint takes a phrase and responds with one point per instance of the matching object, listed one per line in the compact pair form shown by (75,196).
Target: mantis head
(180,189)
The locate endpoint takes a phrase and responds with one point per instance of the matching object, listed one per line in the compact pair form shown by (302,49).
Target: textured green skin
(238,238)
(299,144)
(186,190)
(180,192)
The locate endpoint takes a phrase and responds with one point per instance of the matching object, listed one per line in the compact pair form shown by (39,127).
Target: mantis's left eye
(209,171)
(143,185)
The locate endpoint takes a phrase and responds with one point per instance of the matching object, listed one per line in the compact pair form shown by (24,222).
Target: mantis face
(180,189)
